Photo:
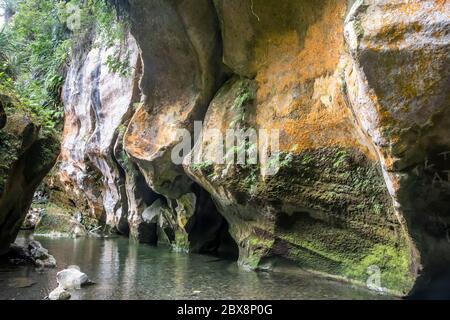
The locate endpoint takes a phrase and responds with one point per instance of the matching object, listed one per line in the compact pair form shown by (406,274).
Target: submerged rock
(20,282)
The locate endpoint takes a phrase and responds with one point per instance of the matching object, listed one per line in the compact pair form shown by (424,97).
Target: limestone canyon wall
(96,103)
(358,91)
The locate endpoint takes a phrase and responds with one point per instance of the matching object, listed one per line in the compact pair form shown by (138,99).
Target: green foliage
(205,167)
(110,32)
(37,46)
(393,263)
(118,66)
(9,146)
(36,43)
(341,159)
(243,98)
(201,166)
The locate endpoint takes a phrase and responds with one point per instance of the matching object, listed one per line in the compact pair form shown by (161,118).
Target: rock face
(55,221)
(397,86)
(327,208)
(97,102)
(26,156)
(176,86)
(31,218)
(355,93)
(107,165)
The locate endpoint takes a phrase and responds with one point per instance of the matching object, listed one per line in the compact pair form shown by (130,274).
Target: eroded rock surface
(176,86)
(398,84)
(107,162)
(358,93)
(97,102)
(341,108)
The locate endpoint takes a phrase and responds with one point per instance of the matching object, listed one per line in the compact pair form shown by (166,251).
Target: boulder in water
(71,278)
(59,294)
(30,253)
(40,255)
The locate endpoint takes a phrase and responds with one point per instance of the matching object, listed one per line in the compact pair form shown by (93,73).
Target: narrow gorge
(358,92)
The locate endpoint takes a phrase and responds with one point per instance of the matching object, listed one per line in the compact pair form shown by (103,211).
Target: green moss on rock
(56,220)
(181,243)
(332,214)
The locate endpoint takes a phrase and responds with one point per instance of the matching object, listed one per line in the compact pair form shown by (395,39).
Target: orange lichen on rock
(396,32)
(440,4)
(298,87)
(135,140)
(408,7)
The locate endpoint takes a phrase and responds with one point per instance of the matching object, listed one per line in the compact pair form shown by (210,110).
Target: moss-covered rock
(397,86)
(59,222)
(26,156)
(327,210)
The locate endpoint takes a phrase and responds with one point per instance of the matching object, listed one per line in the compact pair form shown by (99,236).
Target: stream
(123,270)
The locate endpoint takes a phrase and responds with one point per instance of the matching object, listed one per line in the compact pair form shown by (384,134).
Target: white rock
(59,294)
(71,278)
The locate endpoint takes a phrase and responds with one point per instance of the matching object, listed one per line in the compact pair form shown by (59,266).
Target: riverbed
(125,270)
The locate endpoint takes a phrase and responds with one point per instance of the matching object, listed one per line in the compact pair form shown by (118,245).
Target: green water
(123,270)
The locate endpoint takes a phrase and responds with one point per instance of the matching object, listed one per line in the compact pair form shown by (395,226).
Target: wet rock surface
(69,279)
(59,294)
(97,102)
(31,253)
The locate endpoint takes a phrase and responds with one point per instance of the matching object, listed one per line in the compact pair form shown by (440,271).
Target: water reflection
(125,270)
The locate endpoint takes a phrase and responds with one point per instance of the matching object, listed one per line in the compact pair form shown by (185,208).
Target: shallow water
(123,270)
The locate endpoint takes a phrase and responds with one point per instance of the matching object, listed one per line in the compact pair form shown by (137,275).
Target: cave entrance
(208,230)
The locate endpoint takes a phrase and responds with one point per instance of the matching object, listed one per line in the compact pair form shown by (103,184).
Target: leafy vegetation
(243,98)
(38,39)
